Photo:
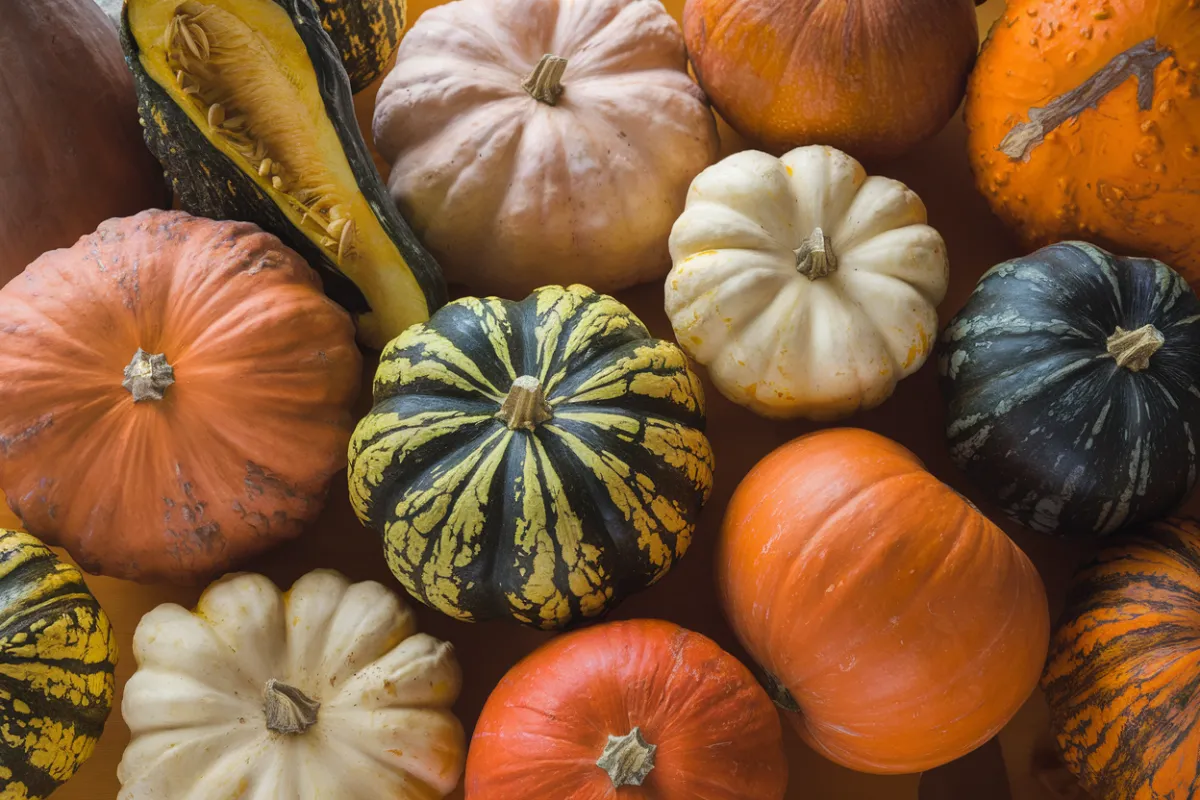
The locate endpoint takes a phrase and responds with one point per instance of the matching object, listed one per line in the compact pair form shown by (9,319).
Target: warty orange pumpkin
(870,77)
(177,395)
(72,153)
(900,626)
(1083,122)
(1121,677)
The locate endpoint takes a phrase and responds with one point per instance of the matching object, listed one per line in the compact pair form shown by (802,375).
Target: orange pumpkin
(177,395)
(639,710)
(72,153)
(8,520)
(902,627)
(870,77)
(1121,678)
(1084,123)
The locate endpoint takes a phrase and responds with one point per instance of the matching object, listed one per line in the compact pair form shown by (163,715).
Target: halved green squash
(248,107)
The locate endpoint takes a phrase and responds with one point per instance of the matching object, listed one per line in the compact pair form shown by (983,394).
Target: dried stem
(815,258)
(627,759)
(1132,349)
(525,406)
(148,376)
(544,84)
(289,710)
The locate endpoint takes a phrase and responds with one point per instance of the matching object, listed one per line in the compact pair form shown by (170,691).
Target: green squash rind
(367,32)
(49,620)
(209,184)
(551,525)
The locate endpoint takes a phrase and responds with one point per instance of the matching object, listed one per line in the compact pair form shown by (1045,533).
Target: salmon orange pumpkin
(642,710)
(1084,123)
(870,77)
(1121,677)
(900,626)
(176,397)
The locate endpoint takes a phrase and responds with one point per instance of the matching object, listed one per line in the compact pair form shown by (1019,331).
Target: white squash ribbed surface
(780,342)
(196,703)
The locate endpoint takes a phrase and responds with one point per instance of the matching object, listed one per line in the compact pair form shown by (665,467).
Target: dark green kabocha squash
(248,108)
(1073,383)
(539,460)
(57,656)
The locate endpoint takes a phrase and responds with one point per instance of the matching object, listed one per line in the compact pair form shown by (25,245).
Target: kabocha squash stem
(1133,349)
(525,406)
(815,257)
(544,84)
(148,376)
(627,759)
(288,709)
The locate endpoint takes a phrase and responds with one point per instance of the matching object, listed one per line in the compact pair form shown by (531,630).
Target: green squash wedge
(247,106)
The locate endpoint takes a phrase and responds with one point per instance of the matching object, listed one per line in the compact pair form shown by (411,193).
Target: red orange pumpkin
(902,627)
(177,395)
(641,709)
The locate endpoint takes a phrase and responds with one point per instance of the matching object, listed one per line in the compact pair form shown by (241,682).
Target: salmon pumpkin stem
(289,710)
(815,257)
(544,84)
(627,759)
(148,376)
(525,407)
(1132,349)
(1139,62)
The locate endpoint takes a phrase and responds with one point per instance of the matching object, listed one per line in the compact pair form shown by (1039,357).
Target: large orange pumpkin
(639,710)
(1084,123)
(1124,663)
(870,77)
(176,395)
(902,627)
(71,151)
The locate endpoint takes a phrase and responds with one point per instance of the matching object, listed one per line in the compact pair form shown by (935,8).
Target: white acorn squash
(807,288)
(326,692)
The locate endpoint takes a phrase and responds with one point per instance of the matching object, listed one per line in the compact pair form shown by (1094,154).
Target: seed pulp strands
(193,54)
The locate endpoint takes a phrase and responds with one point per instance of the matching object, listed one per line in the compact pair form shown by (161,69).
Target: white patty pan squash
(326,692)
(537,142)
(807,288)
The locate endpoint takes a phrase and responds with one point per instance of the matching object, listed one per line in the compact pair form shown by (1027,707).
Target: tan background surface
(939,173)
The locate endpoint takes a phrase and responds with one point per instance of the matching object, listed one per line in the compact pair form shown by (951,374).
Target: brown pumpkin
(72,153)
(1083,122)
(902,627)
(870,77)
(177,395)
(1122,673)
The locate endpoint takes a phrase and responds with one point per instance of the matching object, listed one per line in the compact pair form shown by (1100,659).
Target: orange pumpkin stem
(1138,61)
(289,710)
(544,84)
(1132,349)
(525,407)
(627,759)
(148,376)
(815,257)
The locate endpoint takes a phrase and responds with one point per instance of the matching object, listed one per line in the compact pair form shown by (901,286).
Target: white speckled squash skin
(778,335)
(1040,414)
(512,193)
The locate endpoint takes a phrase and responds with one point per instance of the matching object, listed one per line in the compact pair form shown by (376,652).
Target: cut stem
(1138,62)
(525,406)
(288,709)
(815,257)
(148,376)
(1132,349)
(627,759)
(544,84)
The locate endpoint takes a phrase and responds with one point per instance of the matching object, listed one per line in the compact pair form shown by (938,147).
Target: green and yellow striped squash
(57,655)
(540,459)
